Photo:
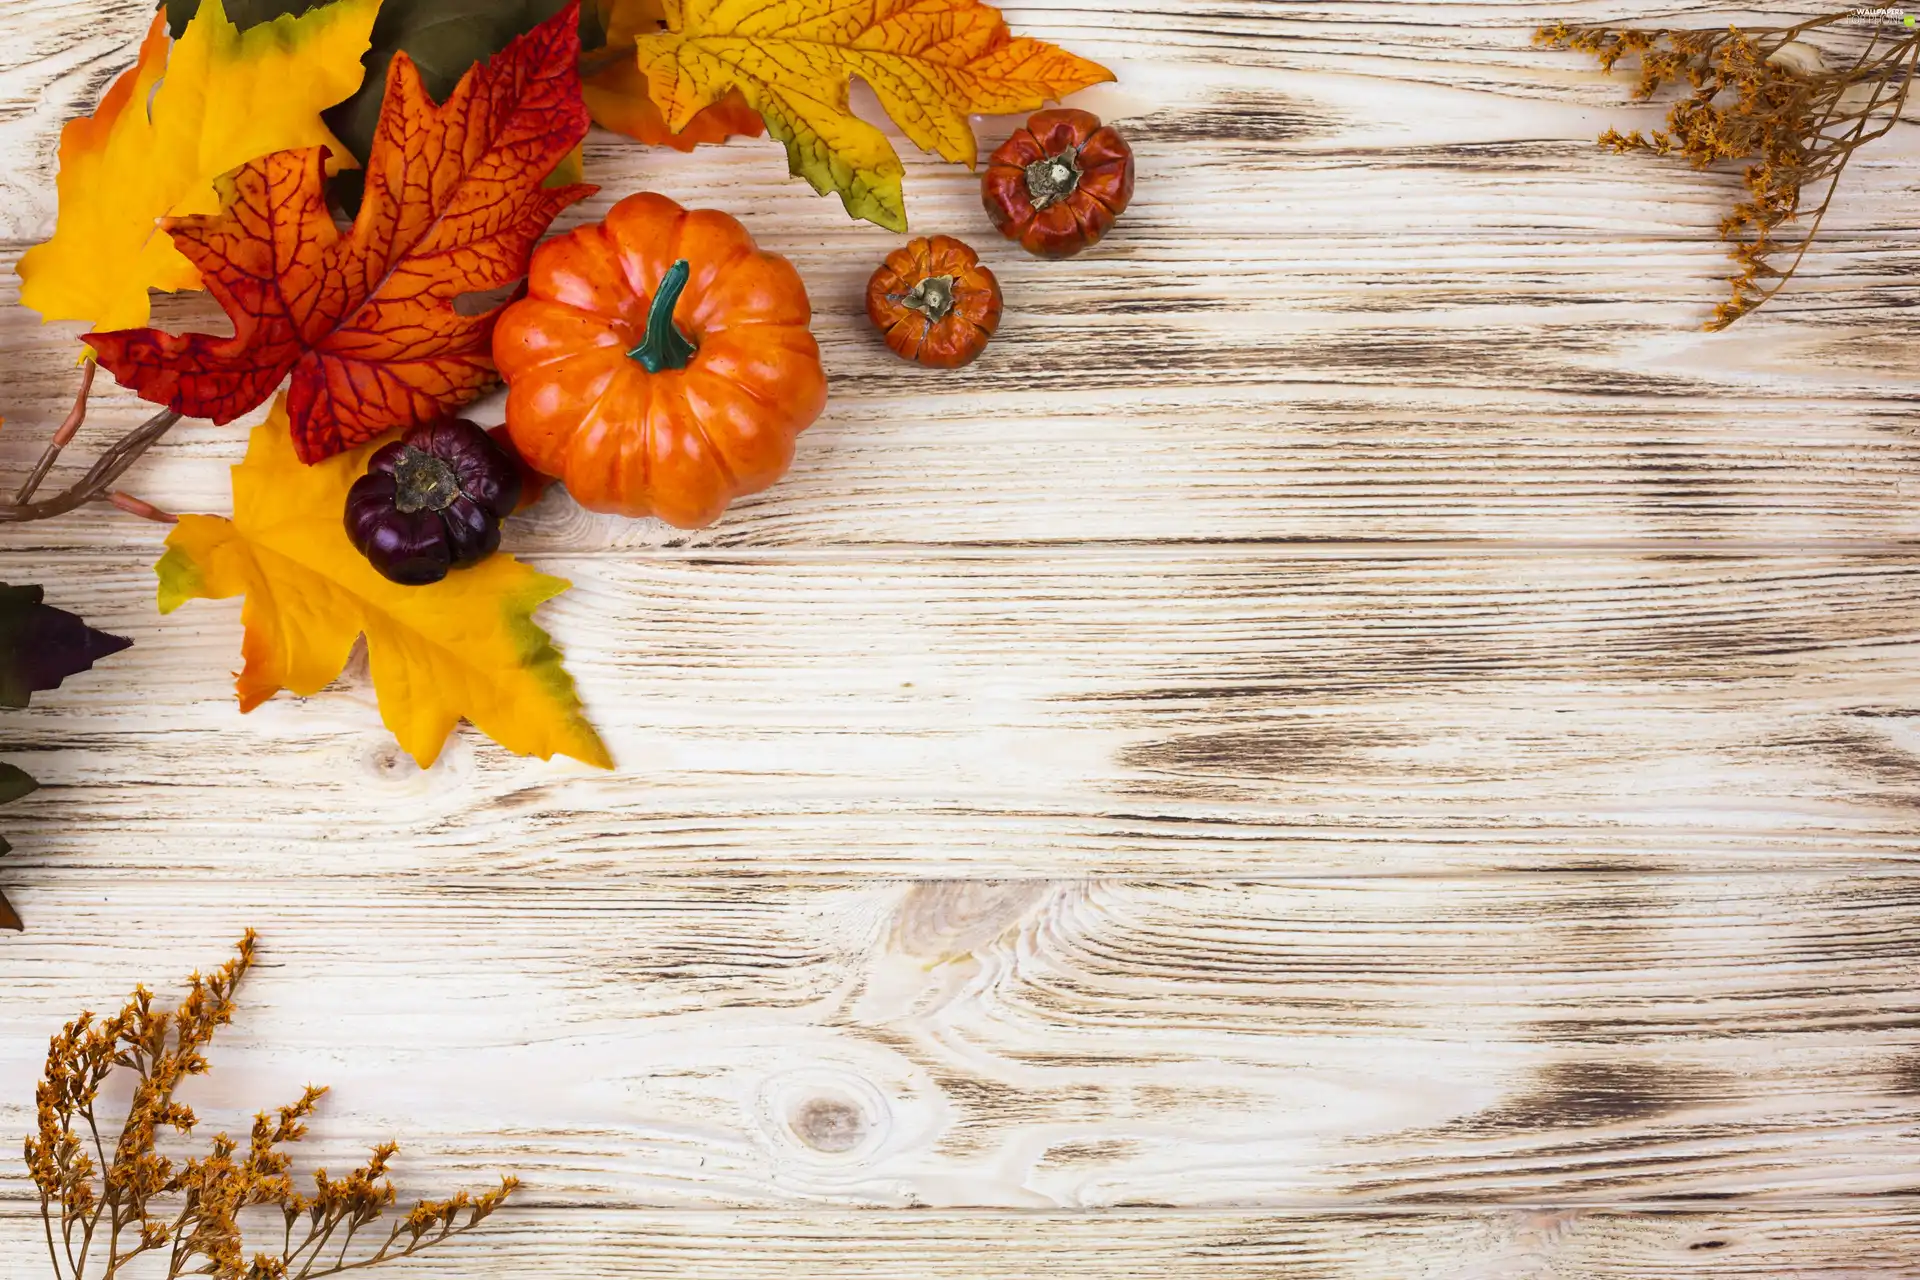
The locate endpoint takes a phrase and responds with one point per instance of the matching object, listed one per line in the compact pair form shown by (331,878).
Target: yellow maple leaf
(930,62)
(617,95)
(465,647)
(172,123)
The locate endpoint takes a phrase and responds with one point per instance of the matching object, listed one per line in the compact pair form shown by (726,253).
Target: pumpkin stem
(665,347)
(932,298)
(423,482)
(1052,179)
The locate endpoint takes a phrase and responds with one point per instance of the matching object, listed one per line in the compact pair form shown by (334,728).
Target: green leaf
(241,13)
(40,645)
(14,783)
(444,38)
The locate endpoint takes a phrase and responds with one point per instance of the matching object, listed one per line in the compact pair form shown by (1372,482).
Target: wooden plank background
(1355,742)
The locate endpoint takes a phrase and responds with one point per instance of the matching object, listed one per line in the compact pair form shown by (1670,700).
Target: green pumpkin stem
(665,347)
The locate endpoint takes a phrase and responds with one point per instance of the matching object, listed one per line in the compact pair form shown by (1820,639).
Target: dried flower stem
(96,484)
(1748,100)
(106,1201)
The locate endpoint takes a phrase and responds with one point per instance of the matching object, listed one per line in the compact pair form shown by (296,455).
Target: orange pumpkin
(1056,186)
(660,364)
(935,302)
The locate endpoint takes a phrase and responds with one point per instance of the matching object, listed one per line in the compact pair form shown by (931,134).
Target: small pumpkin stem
(932,298)
(1052,179)
(423,482)
(665,347)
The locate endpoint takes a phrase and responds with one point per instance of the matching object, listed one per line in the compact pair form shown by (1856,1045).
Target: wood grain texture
(1133,711)
(1355,742)
(1868,1243)
(1522,1040)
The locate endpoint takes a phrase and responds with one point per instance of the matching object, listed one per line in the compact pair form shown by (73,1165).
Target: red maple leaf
(365,321)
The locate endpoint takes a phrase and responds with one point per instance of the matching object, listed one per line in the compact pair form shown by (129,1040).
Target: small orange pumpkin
(661,364)
(1056,186)
(935,302)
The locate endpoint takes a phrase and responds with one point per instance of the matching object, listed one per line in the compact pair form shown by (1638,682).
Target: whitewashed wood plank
(1783,1243)
(1460,1246)
(1273,348)
(1583,1039)
(1134,711)
(1572,1040)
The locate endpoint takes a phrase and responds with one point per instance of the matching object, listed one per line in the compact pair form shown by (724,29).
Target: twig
(97,484)
(61,437)
(139,507)
(99,478)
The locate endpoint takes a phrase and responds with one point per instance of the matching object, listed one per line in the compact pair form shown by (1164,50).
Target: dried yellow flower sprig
(93,1203)
(1752,97)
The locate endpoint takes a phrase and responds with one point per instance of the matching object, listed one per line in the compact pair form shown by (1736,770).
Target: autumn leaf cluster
(449,130)
(363,325)
(224,83)
(104,1210)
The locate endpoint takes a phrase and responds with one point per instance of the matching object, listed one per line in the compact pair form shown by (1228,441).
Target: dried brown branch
(100,1207)
(97,484)
(1762,96)
(62,435)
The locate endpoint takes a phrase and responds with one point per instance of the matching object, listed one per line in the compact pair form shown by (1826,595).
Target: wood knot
(825,1115)
(833,1125)
(390,762)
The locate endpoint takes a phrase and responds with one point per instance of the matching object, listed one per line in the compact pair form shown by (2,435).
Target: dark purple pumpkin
(432,501)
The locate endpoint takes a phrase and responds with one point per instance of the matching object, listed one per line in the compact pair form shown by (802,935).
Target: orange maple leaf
(365,320)
(617,95)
